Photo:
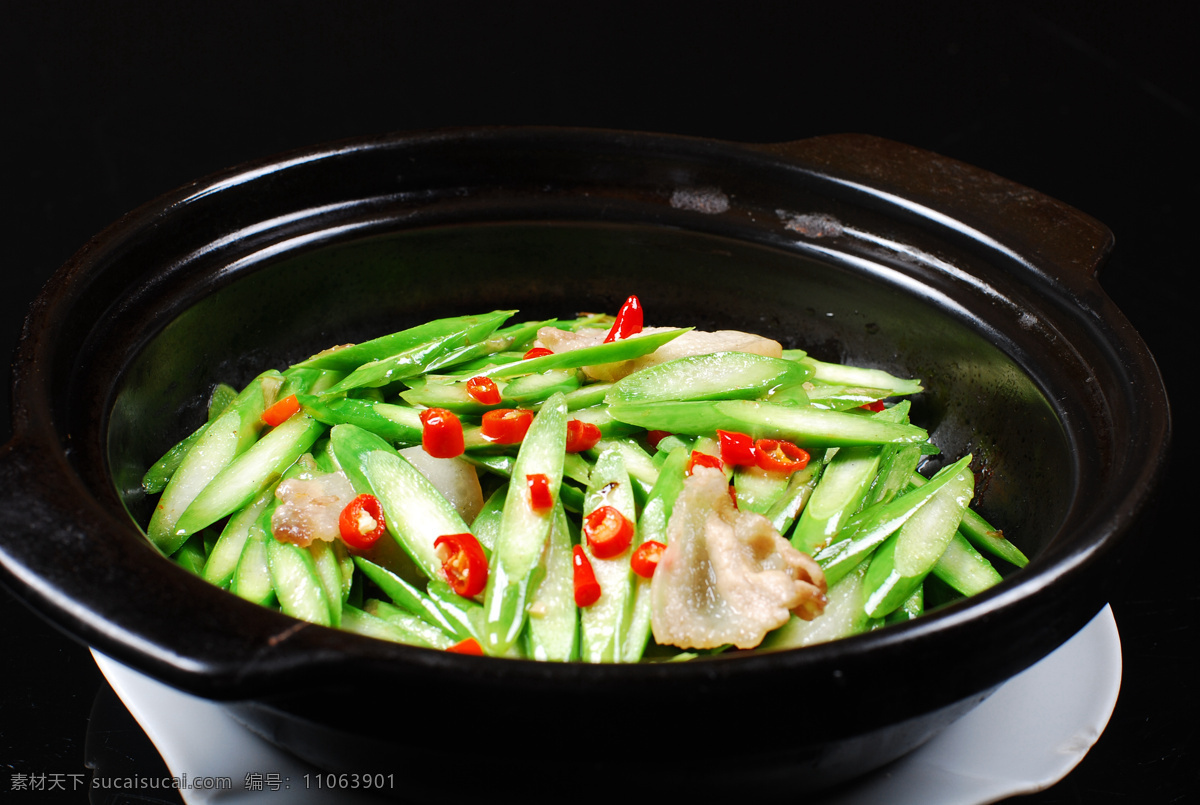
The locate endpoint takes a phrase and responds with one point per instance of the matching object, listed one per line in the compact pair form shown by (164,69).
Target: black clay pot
(851,247)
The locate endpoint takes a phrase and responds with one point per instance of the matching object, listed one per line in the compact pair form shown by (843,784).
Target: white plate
(1023,738)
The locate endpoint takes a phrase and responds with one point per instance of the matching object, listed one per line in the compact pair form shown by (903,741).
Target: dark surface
(1097,110)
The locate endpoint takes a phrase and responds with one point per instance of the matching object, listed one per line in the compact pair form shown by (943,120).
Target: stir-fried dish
(588,489)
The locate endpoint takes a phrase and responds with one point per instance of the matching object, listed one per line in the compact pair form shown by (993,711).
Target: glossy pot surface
(854,248)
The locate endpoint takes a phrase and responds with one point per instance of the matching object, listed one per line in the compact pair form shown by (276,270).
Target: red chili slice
(777,455)
(483,390)
(537,352)
(469,646)
(875,406)
(736,448)
(362,522)
(629,321)
(281,411)
(703,460)
(540,498)
(608,532)
(506,425)
(645,558)
(587,589)
(441,433)
(581,435)
(463,562)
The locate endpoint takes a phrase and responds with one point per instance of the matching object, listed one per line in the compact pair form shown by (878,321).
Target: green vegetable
(964,568)
(190,555)
(223,440)
(758,489)
(810,427)
(159,475)
(411,599)
(451,396)
(717,376)
(844,616)
(890,542)
(329,572)
(416,512)
(469,328)
(641,467)
(464,614)
(252,577)
(652,526)
(622,350)
(908,555)
(865,531)
(488,350)
(535,388)
(223,560)
(487,523)
(601,417)
(409,631)
(844,375)
(249,473)
(845,481)
(553,632)
(297,583)
(982,535)
(417,630)
(604,624)
(795,497)
(523,529)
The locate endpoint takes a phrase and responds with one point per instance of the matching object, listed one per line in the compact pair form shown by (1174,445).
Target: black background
(106,106)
